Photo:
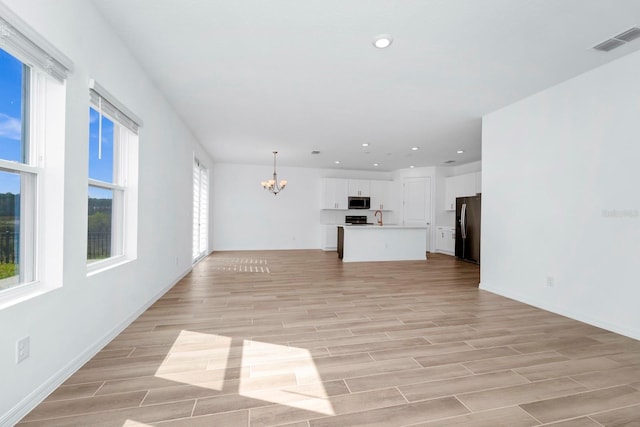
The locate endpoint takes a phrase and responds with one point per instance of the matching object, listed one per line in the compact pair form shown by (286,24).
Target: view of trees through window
(9,227)
(12,149)
(101,171)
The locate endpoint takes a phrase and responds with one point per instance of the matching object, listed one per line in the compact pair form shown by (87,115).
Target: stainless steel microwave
(359,202)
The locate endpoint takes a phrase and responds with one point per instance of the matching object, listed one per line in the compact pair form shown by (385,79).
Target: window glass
(9,229)
(100,149)
(100,223)
(11,108)
(13,148)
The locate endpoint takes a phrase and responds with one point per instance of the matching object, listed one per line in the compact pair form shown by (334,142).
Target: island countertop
(380,227)
(372,242)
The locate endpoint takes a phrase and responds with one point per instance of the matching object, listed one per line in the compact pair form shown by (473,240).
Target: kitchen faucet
(375,214)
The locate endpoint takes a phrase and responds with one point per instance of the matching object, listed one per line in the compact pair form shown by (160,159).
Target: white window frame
(119,189)
(200,237)
(41,172)
(125,178)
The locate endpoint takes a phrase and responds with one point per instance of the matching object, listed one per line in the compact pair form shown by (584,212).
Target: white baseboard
(563,311)
(34,398)
(440,251)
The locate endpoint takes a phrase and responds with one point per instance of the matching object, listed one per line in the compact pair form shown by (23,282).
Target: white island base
(361,243)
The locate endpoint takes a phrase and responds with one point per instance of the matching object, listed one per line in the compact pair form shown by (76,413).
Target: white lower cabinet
(446,240)
(329,237)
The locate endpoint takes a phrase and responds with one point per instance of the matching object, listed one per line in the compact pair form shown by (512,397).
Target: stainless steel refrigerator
(468,228)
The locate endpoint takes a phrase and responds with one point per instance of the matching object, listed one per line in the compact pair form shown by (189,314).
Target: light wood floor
(297,338)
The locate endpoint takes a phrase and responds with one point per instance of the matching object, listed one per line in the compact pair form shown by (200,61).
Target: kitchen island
(361,243)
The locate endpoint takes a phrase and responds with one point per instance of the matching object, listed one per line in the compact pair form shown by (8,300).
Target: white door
(200,210)
(416,202)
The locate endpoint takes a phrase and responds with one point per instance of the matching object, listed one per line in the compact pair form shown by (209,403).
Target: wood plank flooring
(297,338)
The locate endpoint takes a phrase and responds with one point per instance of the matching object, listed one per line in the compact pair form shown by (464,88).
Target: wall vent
(315,152)
(617,41)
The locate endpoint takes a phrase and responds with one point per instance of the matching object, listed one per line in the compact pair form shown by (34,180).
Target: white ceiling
(252,76)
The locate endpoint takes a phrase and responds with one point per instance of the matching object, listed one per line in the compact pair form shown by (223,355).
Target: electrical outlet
(22,349)
(550,281)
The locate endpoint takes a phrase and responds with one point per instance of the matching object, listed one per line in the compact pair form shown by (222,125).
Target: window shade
(102,100)
(19,39)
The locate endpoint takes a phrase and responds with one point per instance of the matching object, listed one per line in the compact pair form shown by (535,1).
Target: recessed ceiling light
(376,164)
(411,167)
(364,144)
(460,151)
(337,162)
(415,148)
(382,41)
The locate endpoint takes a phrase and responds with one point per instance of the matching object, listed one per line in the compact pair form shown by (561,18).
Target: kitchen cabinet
(381,193)
(451,185)
(334,193)
(358,187)
(329,237)
(446,240)
(387,243)
(478,182)
(458,186)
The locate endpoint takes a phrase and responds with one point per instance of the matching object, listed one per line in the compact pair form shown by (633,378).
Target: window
(112,201)
(17,177)
(200,210)
(31,152)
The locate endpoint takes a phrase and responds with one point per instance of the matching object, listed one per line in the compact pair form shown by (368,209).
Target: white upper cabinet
(452,186)
(478,182)
(358,187)
(334,193)
(381,195)
(459,186)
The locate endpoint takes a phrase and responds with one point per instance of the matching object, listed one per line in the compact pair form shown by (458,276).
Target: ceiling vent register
(617,41)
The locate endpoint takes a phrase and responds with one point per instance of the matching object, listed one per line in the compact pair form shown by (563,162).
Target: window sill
(20,293)
(98,267)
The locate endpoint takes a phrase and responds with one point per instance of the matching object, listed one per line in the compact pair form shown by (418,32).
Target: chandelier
(272,185)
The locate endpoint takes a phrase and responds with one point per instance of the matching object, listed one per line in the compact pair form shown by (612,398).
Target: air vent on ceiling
(617,41)
(450,161)
(315,152)
(608,45)
(629,35)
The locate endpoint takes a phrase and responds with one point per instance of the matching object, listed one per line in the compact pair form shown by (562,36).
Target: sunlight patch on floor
(263,363)
(193,351)
(241,265)
(268,372)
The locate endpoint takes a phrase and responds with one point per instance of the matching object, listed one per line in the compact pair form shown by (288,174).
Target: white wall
(465,168)
(246,217)
(68,325)
(560,198)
